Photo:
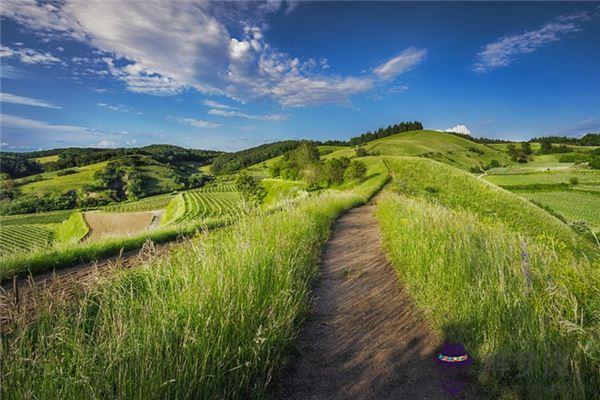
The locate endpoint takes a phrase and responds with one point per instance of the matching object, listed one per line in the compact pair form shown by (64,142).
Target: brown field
(103,225)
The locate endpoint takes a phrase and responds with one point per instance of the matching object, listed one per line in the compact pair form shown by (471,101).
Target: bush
(64,172)
(356,170)
(250,188)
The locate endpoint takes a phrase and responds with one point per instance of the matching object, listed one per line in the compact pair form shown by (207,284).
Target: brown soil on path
(364,339)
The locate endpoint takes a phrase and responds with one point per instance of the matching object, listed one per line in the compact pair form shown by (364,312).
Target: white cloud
(216,104)
(504,51)
(11,121)
(28,56)
(265,117)
(198,123)
(28,101)
(459,129)
(400,64)
(165,47)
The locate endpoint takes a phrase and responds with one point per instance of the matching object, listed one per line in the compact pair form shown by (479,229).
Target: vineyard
(574,205)
(554,177)
(52,217)
(147,204)
(24,238)
(203,203)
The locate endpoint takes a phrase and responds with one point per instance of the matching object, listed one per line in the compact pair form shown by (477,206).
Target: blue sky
(234,75)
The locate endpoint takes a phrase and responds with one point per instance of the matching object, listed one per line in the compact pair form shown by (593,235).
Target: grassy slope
(47,159)
(212,320)
(436,145)
(467,270)
(458,189)
(53,183)
(278,189)
(72,230)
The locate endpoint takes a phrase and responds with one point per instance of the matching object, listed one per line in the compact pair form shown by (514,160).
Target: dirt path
(364,339)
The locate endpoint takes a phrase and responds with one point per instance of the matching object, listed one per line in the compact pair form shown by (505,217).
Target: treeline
(590,139)
(378,134)
(228,163)
(18,165)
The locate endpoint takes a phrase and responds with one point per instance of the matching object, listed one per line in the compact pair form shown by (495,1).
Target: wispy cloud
(216,104)
(28,56)
(119,108)
(197,123)
(12,121)
(28,101)
(505,50)
(400,64)
(238,114)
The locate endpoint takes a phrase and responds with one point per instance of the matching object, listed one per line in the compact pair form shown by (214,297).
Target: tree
(526,148)
(360,152)
(595,162)
(546,147)
(512,151)
(250,188)
(332,172)
(356,170)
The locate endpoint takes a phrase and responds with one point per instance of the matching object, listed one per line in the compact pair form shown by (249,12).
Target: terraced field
(147,204)
(202,203)
(51,217)
(552,177)
(574,205)
(24,238)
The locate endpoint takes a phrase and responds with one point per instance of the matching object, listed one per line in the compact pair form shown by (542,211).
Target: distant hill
(228,163)
(24,164)
(441,146)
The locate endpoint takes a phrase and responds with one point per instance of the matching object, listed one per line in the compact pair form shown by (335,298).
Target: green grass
(73,229)
(151,203)
(574,205)
(212,320)
(47,159)
(52,183)
(525,310)
(279,189)
(457,189)
(435,145)
(18,239)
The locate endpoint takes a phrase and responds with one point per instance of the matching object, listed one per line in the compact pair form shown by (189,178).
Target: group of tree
(378,134)
(546,147)
(305,164)
(228,163)
(480,140)
(16,165)
(250,188)
(521,155)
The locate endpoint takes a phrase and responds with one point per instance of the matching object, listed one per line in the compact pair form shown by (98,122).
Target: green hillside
(52,182)
(440,146)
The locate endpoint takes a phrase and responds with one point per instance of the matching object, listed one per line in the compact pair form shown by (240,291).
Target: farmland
(24,238)
(550,177)
(574,205)
(200,204)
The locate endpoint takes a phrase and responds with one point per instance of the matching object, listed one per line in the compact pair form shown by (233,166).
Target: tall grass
(210,321)
(529,313)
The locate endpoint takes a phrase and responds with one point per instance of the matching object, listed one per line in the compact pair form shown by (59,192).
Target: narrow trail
(364,339)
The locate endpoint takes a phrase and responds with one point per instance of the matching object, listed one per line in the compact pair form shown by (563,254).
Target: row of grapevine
(147,204)
(220,187)
(199,204)
(51,217)
(23,238)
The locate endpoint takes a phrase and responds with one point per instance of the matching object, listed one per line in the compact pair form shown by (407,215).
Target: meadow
(516,286)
